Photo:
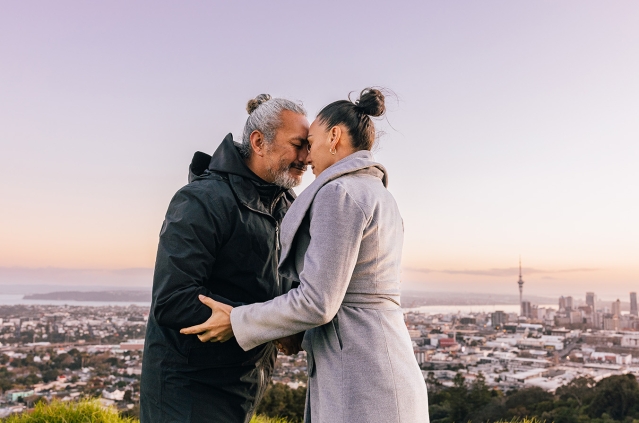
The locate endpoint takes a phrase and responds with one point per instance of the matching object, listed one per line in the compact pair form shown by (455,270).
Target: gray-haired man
(220,239)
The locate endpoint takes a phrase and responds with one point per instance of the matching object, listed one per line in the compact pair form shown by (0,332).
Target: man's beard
(282,177)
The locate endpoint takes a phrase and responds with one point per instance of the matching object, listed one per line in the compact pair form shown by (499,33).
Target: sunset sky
(515,130)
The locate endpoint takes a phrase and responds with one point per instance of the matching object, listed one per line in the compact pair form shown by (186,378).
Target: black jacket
(219,239)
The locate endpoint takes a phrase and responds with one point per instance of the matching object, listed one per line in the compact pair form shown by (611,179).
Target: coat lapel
(359,160)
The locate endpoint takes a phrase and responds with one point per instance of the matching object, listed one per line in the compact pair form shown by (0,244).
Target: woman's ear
(335,136)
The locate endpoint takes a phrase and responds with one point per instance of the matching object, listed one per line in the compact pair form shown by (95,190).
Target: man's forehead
(291,118)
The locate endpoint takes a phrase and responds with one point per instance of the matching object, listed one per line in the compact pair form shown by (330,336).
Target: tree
(50,375)
(479,394)
(529,402)
(458,399)
(281,401)
(579,389)
(432,384)
(615,396)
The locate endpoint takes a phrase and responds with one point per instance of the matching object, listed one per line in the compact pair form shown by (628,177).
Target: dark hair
(355,116)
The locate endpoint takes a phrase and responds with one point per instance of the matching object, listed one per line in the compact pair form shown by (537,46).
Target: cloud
(497,272)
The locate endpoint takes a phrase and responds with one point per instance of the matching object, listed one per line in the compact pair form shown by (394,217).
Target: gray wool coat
(342,240)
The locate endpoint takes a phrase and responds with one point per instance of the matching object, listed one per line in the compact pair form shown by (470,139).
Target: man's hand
(290,345)
(218,327)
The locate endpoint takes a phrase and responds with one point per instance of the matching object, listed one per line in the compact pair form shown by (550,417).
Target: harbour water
(14,299)
(18,299)
(468,309)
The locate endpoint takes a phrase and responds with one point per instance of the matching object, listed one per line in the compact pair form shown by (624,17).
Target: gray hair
(265,116)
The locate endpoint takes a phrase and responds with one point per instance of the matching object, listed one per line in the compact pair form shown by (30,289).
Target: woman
(342,241)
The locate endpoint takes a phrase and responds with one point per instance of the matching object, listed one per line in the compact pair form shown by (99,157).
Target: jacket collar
(359,161)
(243,181)
(227,159)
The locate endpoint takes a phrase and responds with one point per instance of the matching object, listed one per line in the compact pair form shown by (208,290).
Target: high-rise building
(520,282)
(569,305)
(633,304)
(526,309)
(576,317)
(590,300)
(498,318)
(562,303)
(616,308)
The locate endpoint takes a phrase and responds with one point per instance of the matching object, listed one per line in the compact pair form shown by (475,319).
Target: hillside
(90,411)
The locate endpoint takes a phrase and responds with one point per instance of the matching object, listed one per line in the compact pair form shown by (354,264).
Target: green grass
(86,411)
(90,411)
(263,419)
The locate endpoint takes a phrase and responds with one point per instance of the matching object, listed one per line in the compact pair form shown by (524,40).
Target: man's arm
(190,237)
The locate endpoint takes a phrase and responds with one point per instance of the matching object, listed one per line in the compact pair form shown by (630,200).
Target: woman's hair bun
(371,102)
(254,103)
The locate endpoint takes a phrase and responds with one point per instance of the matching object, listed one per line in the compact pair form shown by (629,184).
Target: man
(220,239)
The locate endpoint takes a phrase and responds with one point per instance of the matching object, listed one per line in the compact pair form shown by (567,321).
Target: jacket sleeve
(192,233)
(336,228)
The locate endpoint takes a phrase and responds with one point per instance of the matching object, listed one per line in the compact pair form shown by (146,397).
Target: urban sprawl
(70,352)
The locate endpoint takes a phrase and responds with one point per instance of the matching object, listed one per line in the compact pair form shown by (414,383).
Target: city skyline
(513,131)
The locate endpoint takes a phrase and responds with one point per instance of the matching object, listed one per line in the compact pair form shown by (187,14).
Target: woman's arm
(336,229)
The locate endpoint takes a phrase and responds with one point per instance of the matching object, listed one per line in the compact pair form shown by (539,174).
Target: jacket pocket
(335,324)
(307,345)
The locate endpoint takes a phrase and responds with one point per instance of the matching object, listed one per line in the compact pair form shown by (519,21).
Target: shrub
(86,411)
(89,411)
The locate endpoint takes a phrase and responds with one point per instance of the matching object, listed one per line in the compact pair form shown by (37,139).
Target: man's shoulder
(211,187)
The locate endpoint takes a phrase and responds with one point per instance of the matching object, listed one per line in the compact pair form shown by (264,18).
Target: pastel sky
(515,130)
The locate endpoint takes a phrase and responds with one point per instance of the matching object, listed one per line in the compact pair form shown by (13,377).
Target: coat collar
(358,161)
(247,186)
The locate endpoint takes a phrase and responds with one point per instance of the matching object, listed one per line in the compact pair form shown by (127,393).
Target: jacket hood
(251,190)
(227,159)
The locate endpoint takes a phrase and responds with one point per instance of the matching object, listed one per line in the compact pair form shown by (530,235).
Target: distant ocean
(467,309)
(17,299)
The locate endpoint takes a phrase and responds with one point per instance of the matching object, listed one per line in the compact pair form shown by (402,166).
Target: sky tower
(520,282)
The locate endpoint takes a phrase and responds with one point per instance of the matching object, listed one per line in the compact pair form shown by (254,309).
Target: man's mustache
(300,166)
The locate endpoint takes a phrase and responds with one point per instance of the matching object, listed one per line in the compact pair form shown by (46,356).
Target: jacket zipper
(277,236)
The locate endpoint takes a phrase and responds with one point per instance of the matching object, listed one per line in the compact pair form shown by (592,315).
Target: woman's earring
(332,150)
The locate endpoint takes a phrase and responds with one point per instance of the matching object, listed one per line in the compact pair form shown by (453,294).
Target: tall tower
(633,304)
(520,282)
(616,308)
(590,300)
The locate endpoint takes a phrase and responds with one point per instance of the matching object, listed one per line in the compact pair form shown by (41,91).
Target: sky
(513,132)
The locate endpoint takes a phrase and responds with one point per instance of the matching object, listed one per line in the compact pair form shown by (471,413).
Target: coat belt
(371,301)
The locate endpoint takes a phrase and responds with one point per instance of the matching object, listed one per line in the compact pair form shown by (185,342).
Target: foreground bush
(91,411)
(86,411)
(264,419)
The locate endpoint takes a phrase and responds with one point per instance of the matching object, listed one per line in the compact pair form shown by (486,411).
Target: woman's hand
(218,327)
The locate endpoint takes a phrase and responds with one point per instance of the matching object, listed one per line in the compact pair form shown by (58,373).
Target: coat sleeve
(336,228)
(191,235)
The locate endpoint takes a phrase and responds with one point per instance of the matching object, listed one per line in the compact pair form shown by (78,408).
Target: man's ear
(257,143)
